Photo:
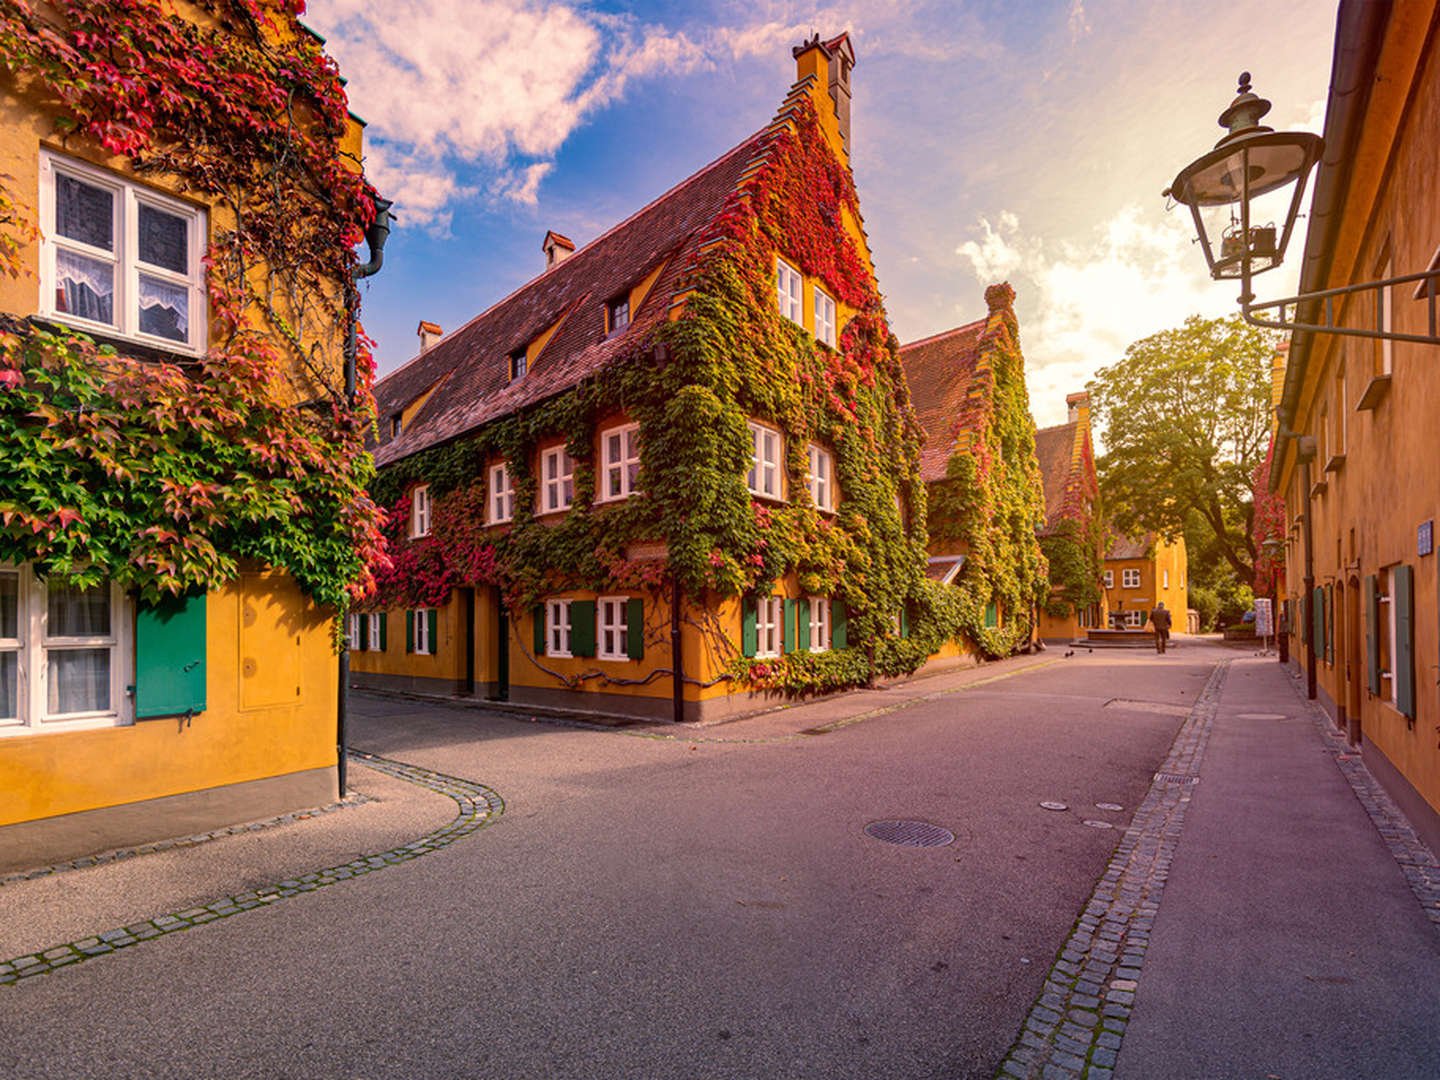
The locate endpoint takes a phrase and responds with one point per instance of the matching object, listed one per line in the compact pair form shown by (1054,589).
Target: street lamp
(1220,187)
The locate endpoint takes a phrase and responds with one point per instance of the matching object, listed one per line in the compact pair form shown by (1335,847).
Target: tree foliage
(1186,421)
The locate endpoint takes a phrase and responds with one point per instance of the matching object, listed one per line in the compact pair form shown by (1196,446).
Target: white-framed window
(1387,319)
(620,452)
(120,259)
(1109,579)
(1131,578)
(820,478)
(557,627)
(824,318)
(819,624)
(1135,617)
(502,494)
(1164,579)
(769,633)
(557,471)
(518,362)
(377,620)
(420,512)
(64,654)
(352,632)
(788,290)
(614,628)
(764,475)
(617,313)
(1385,609)
(420,631)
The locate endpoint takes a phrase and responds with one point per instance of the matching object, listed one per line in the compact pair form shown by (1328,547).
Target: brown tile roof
(1055,450)
(1124,547)
(939,371)
(472,362)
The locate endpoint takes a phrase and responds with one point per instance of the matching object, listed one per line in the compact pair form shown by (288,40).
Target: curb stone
(479,806)
(1076,1027)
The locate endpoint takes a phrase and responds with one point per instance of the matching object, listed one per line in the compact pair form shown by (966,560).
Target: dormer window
(517,365)
(395,425)
(617,313)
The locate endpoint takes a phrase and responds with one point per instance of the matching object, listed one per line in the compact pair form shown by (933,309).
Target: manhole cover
(1173,778)
(1098,824)
(1054,806)
(910,833)
(1108,806)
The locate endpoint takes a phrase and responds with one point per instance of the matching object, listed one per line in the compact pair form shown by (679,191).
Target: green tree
(1186,419)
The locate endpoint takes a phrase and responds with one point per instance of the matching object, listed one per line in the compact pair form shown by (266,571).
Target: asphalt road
(649,908)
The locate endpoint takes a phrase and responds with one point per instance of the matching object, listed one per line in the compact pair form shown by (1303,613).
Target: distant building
(1139,573)
(1071,535)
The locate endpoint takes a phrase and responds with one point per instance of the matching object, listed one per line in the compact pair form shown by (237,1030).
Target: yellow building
(1139,574)
(674,474)
(162,672)
(1071,535)
(1362,487)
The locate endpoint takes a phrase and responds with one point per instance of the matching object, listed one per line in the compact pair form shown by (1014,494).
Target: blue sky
(1026,141)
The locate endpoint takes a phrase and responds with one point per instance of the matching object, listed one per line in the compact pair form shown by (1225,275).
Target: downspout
(677,660)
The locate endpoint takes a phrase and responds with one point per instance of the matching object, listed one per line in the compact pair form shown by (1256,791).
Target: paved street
(652,906)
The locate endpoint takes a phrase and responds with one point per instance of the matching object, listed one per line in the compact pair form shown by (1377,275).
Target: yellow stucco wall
(1168,558)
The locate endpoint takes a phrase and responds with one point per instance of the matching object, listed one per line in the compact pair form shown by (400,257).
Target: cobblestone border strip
(1076,1027)
(479,805)
(1417,862)
(355,798)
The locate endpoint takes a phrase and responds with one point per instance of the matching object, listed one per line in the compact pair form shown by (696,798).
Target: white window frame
(500,500)
(1385,605)
(557,470)
(557,628)
(1387,321)
(127,198)
(1164,579)
(1130,578)
(767,453)
(377,619)
(420,510)
(769,626)
(1135,617)
(420,632)
(612,636)
(819,624)
(824,317)
(352,632)
(32,646)
(1109,579)
(820,477)
(789,292)
(623,470)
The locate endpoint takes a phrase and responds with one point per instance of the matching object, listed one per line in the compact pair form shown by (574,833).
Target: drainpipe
(677,661)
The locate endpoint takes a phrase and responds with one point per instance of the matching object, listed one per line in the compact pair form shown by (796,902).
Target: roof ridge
(944,334)
(1056,427)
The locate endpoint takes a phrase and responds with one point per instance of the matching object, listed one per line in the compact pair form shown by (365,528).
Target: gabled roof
(1055,451)
(1124,547)
(940,371)
(469,368)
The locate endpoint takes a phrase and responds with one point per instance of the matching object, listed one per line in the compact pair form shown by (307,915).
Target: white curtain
(164,308)
(87,286)
(79,680)
(76,612)
(9,685)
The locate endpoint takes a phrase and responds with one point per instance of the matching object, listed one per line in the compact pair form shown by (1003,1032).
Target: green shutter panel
(991,615)
(384,622)
(582,628)
(787,625)
(409,630)
(635,628)
(1372,633)
(904,622)
(170,657)
(364,633)
(802,624)
(1403,598)
(537,613)
(430,621)
(838,640)
(1317,612)
(749,634)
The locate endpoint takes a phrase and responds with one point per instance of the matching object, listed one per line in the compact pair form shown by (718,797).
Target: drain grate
(910,833)
(1175,778)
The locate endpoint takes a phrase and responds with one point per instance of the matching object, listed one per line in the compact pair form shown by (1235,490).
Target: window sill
(138,348)
(1376,391)
(778,499)
(1336,463)
(1318,488)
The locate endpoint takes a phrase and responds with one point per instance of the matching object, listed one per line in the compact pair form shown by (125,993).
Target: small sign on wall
(1425,538)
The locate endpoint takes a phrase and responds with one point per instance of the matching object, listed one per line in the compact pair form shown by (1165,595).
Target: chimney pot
(1077,406)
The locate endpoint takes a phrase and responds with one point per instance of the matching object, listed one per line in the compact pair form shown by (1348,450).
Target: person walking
(1160,620)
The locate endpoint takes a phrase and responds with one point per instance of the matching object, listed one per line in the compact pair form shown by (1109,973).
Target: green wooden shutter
(787,625)
(838,626)
(409,630)
(582,628)
(749,634)
(1317,613)
(802,624)
(635,628)
(537,613)
(1403,597)
(430,623)
(991,615)
(384,622)
(1372,633)
(364,633)
(170,657)
(904,622)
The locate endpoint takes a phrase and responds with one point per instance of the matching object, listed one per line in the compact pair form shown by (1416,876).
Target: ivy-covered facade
(1073,535)
(982,482)
(183,506)
(676,475)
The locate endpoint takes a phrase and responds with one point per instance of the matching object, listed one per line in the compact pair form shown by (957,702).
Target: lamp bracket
(1318,309)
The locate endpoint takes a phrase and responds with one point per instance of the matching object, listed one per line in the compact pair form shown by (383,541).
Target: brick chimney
(557,248)
(829,63)
(429,333)
(1077,407)
(842,61)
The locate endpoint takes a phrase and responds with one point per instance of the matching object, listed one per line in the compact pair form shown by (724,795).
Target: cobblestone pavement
(478,806)
(1076,1027)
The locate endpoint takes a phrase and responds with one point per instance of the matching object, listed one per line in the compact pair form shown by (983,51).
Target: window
(420,512)
(617,313)
(1337,438)
(819,624)
(395,425)
(1387,317)
(420,623)
(787,291)
(824,318)
(517,364)
(1131,578)
(819,478)
(377,631)
(120,258)
(1164,579)
(620,448)
(1135,618)
(1109,579)
(502,494)
(1385,584)
(63,654)
(768,629)
(614,628)
(764,475)
(352,632)
(557,627)
(557,470)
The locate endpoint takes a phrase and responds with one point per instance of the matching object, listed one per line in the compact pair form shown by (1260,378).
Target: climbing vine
(163,472)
